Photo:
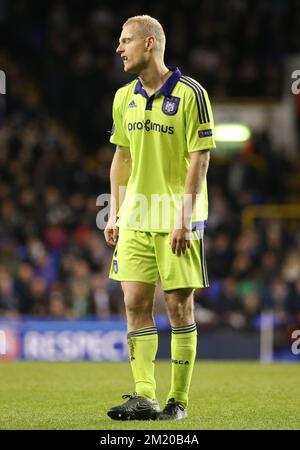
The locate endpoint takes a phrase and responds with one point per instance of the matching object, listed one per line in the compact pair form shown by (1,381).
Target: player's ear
(150,41)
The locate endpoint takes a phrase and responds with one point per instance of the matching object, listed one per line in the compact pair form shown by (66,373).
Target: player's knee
(180,314)
(180,310)
(137,306)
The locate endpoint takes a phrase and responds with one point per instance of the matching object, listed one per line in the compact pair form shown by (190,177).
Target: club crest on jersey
(170,105)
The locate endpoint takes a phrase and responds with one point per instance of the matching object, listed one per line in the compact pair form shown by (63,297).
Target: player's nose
(119,49)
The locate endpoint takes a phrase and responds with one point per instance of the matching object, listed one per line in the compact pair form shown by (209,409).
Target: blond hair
(150,27)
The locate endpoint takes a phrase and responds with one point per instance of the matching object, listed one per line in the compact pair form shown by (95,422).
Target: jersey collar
(166,89)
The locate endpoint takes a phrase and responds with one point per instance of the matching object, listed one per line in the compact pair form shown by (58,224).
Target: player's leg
(180,275)
(142,348)
(142,335)
(134,265)
(180,308)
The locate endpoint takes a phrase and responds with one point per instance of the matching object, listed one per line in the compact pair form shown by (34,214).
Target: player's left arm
(199,126)
(193,186)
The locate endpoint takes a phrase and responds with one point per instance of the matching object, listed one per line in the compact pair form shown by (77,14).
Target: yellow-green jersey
(161,131)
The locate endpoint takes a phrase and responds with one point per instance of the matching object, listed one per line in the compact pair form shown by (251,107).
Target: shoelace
(170,405)
(134,395)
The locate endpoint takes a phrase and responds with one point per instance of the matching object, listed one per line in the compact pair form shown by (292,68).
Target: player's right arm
(119,175)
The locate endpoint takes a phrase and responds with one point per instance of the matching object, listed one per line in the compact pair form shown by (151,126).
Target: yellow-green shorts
(147,256)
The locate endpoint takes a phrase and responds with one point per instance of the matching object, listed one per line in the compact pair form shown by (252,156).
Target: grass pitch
(224,395)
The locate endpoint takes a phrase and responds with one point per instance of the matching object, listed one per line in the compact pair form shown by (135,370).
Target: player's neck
(154,76)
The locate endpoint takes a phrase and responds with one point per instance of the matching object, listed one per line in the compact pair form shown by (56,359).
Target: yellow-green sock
(142,347)
(183,353)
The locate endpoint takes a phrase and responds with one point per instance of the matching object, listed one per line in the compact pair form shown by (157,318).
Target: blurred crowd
(235,48)
(54,261)
(55,158)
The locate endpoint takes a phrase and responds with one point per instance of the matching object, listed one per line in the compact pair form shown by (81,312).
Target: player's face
(133,49)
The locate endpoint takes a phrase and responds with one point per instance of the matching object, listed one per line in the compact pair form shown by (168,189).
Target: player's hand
(111,232)
(180,241)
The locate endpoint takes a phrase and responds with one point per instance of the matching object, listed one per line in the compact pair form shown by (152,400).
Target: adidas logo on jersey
(132,104)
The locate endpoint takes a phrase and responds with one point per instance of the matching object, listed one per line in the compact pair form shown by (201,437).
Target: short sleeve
(118,132)
(199,120)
